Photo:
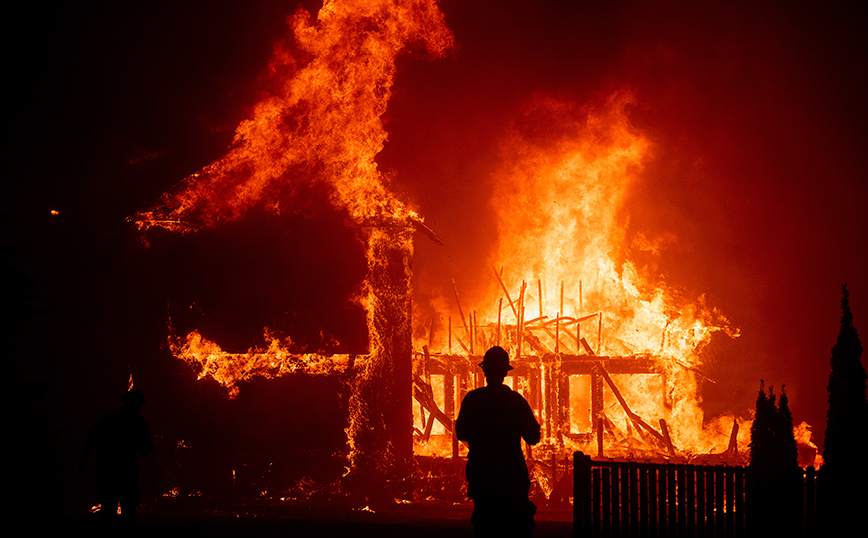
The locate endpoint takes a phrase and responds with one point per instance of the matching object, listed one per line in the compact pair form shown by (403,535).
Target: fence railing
(614,499)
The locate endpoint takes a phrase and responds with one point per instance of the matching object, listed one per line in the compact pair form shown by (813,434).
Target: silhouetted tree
(786,449)
(774,471)
(847,417)
(761,432)
(845,468)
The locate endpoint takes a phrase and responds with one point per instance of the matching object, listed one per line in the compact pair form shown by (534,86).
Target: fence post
(694,498)
(739,502)
(681,496)
(810,501)
(719,520)
(633,488)
(581,494)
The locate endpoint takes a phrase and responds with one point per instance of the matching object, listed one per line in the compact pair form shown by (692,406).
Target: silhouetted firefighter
(118,439)
(845,467)
(774,475)
(493,420)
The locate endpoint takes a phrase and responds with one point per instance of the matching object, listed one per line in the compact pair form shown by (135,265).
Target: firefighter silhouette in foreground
(118,439)
(493,420)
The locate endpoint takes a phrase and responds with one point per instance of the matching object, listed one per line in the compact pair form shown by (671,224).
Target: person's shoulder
(113,414)
(474,394)
(477,397)
(516,396)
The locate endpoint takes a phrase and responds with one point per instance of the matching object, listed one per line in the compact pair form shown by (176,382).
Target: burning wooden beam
(732,449)
(499,311)
(587,347)
(424,395)
(461,312)
(463,346)
(506,292)
(539,298)
(422,227)
(556,338)
(630,414)
(519,329)
(381,427)
(668,440)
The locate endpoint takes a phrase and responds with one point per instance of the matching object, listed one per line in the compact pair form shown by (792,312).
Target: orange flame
(560,203)
(561,218)
(809,454)
(208,359)
(322,123)
(560,200)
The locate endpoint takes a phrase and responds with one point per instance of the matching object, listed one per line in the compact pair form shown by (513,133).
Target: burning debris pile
(607,356)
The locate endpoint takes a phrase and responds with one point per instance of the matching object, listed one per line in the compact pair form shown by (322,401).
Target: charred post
(380,431)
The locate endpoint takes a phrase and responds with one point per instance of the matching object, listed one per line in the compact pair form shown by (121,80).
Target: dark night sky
(757,113)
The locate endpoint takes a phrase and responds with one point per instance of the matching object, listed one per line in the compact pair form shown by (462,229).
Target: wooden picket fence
(633,499)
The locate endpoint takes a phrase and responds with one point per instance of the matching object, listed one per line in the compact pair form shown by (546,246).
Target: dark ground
(417,522)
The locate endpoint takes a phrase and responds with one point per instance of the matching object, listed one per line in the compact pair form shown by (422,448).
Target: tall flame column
(380,429)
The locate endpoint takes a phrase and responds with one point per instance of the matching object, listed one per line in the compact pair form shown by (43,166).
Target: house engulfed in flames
(607,360)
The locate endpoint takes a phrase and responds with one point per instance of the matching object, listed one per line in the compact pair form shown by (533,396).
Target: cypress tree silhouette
(786,447)
(847,417)
(787,474)
(845,468)
(774,474)
(760,513)
(761,433)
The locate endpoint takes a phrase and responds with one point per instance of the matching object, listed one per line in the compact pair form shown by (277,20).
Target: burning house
(321,126)
(608,355)
(592,169)
(605,353)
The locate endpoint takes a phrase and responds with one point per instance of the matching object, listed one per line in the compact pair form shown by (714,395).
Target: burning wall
(322,125)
